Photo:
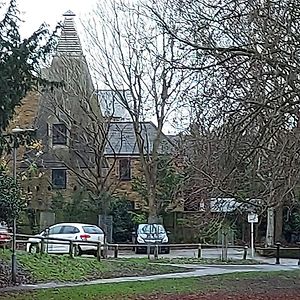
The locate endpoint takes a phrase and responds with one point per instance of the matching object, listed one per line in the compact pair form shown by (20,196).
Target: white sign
(252,218)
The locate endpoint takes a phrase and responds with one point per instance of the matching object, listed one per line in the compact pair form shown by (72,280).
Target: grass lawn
(237,282)
(62,268)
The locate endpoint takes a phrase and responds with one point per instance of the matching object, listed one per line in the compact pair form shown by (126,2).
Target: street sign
(252,218)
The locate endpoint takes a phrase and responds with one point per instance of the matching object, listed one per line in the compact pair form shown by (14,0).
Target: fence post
(71,249)
(277,253)
(148,251)
(199,251)
(105,250)
(156,252)
(42,251)
(116,251)
(245,252)
(99,251)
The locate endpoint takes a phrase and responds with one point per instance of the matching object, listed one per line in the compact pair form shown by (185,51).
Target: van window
(151,228)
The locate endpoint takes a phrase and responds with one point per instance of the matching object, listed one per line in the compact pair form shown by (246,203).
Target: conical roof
(69,42)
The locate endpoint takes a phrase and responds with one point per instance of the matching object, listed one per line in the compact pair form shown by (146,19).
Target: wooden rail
(102,249)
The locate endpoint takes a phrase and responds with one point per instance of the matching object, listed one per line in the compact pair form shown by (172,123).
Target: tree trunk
(152,215)
(278,223)
(270,227)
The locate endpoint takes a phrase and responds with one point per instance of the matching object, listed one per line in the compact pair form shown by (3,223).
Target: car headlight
(165,239)
(140,240)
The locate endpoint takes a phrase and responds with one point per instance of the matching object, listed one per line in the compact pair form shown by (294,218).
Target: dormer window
(59,134)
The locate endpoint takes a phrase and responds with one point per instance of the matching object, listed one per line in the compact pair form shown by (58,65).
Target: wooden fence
(102,248)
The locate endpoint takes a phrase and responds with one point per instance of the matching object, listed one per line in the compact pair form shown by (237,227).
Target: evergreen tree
(20,64)
(11,201)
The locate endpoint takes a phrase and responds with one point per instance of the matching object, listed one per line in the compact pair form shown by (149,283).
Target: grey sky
(35,12)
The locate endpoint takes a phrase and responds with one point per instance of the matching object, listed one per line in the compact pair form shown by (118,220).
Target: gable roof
(230,205)
(122,139)
(111,105)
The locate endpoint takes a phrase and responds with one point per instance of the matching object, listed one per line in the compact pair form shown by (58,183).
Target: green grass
(62,268)
(130,290)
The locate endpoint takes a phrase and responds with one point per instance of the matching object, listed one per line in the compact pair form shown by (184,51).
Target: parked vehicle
(150,234)
(71,231)
(5,237)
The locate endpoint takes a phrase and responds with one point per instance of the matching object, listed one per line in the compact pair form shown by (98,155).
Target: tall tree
(131,55)
(247,63)
(20,63)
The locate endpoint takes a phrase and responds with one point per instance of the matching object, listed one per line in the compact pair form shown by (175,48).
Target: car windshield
(92,230)
(151,229)
(3,228)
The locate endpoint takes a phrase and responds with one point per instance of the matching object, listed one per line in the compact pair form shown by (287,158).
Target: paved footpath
(195,271)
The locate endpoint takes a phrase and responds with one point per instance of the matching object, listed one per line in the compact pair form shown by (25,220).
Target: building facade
(80,148)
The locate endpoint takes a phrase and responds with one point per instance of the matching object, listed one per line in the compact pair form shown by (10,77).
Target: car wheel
(136,250)
(34,248)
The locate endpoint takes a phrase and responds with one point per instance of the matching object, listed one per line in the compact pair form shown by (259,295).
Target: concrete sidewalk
(195,271)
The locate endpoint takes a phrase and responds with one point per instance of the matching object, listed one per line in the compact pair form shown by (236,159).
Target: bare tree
(248,97)
(131,55)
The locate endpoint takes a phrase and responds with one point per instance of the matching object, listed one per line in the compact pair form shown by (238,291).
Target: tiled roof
(122,139)
(69,43)
(229,205)
(111,104)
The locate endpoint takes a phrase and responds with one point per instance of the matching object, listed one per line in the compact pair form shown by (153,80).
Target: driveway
(233,253)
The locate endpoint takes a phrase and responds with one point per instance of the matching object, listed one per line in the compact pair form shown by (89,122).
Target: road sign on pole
(252,218)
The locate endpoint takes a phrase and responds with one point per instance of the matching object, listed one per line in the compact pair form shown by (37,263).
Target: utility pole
(14,229)
(15,132)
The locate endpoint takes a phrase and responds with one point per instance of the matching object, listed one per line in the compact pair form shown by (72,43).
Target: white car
(151,234)
(71,231)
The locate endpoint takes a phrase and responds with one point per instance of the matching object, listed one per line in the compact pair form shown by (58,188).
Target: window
(55,230)
(69,230)
(92,230)
(125,169)
(151,229)
(59,178)
(59,134)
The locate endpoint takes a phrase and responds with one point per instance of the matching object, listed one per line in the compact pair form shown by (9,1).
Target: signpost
(252,218)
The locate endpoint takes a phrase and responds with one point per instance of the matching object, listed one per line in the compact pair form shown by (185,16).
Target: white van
(151,234)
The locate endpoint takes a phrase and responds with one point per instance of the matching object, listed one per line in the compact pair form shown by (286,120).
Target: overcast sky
(35,12)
